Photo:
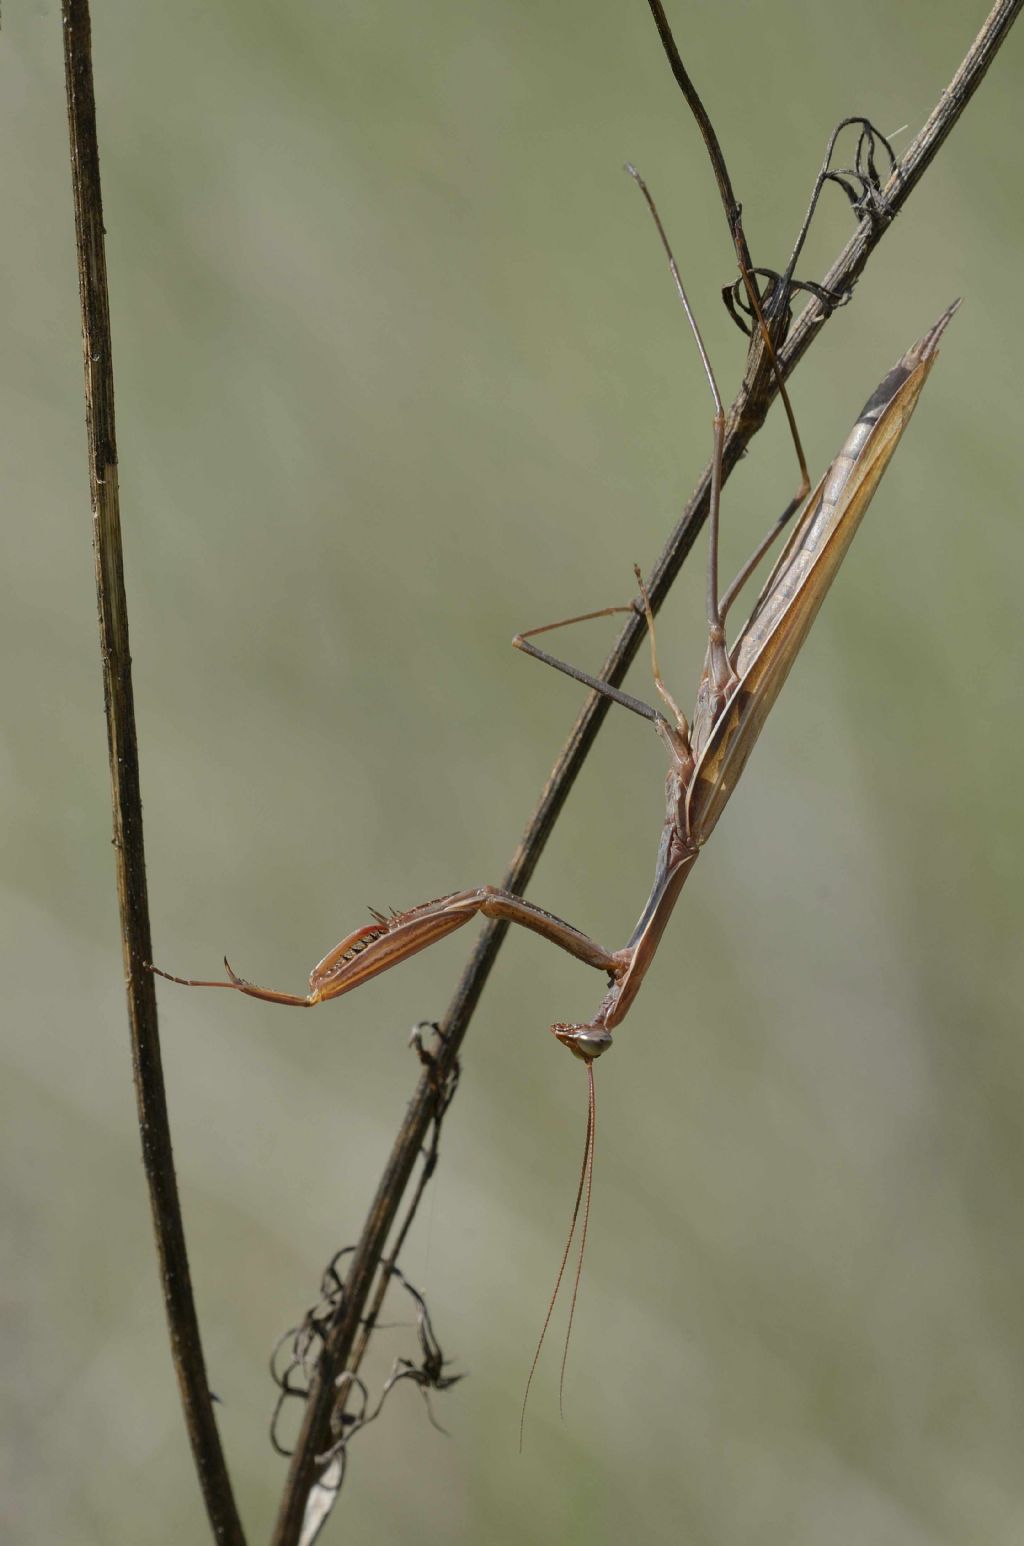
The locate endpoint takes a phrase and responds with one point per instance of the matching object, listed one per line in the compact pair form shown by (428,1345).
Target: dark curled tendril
(297,1354)
(776,301)
(297,1351)
(861,184)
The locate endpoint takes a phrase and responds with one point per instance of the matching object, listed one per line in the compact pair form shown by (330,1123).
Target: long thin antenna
(674,266)
(585,1173)
(588,1167)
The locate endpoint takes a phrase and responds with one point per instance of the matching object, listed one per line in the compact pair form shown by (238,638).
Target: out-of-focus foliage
(400,371)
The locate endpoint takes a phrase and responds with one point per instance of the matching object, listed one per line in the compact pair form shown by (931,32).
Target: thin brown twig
(158,1160)
(445,1085)
(756,394)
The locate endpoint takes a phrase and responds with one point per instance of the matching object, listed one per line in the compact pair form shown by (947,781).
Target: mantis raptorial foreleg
(385,941)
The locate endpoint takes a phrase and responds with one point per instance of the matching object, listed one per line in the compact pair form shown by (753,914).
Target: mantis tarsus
(737,689)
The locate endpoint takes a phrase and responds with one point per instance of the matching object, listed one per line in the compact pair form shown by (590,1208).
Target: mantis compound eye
(586,1042)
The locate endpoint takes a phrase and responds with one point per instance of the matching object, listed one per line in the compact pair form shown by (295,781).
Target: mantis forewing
(774,634)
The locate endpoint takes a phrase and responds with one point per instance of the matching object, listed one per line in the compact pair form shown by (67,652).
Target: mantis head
(585,1042)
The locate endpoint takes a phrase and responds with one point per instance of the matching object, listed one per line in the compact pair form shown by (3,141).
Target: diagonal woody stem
(759,388)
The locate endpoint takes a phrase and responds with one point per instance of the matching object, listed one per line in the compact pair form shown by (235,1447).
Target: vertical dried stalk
(124,772)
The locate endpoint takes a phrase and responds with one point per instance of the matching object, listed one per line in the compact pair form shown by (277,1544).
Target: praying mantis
(738,688)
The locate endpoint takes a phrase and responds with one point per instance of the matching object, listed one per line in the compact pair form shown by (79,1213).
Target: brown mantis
(737,689)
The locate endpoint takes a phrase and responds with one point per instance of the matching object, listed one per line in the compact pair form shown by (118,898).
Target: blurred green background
(400,372)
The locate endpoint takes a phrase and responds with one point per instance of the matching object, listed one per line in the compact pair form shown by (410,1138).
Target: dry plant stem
(443,1094)
(852,261)
(124,770)
(758,390)
(725,189)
